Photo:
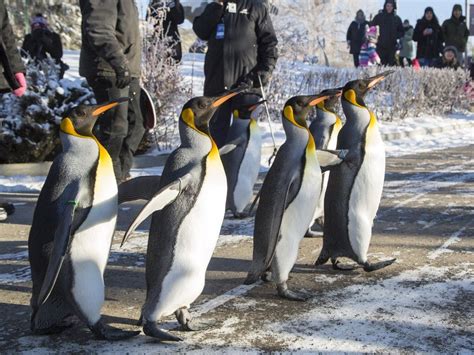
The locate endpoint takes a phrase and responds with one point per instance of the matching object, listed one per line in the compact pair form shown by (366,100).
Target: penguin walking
(355,187)
(188,212)
(242,153)
(324,129)
(72,230)
(288,198)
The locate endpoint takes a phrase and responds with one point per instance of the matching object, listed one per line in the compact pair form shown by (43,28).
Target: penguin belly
(91,243)
(249,168)
(366,193)
(296,219)
(195,244)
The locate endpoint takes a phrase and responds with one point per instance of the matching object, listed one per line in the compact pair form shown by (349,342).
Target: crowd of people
(428,44)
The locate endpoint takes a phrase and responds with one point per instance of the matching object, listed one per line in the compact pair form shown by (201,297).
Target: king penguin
(324,129)
(188,212)
(355,187)
(242,152)
(288,198)
(72,230)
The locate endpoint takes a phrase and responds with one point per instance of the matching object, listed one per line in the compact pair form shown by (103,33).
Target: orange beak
(101,109)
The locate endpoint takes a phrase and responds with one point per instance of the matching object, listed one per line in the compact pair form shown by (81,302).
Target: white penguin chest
(249,168)
(195,242)
(299,212)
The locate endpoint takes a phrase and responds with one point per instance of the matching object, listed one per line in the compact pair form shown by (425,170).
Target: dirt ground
(423,302)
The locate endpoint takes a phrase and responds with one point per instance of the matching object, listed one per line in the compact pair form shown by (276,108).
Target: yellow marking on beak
(317,100)
(100,110)
(223,99)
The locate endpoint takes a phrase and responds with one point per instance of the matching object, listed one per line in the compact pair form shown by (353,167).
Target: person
(241,49)
(407,52)
(448,60)
(391,30)
(355,35)
(42,41)
(12,75)
(455,31)
(172,15)
(429,37)
(110,61)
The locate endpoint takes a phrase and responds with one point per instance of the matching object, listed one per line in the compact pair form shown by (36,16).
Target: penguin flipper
(230,146)
(159,201)
(62,238)
(139,188)
(328,158)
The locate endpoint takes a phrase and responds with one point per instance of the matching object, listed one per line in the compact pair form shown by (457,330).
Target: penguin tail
(107,332)
(252,277)
(369,267)
(322,258)
(151,329)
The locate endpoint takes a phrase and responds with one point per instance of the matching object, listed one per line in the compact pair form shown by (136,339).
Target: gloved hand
(20,78)
(245,80)
(123,77)
(264,77)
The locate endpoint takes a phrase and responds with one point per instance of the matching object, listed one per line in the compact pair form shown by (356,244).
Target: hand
(264,77)
(123,77)
(427,31)
(20,78)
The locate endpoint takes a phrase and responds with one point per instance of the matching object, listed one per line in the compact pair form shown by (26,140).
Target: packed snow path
(421,303)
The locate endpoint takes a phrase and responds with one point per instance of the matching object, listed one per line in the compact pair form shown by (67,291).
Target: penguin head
(331,102)
(198,111)
(355,91)
(246,105)
(298,107)
(80,120)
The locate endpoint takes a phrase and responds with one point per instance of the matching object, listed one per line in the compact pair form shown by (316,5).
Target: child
(368,55)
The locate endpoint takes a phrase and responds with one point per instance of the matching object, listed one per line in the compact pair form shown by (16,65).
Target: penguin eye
(299,103)
(202,105)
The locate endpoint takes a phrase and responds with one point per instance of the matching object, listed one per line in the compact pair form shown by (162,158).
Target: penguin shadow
(229,264)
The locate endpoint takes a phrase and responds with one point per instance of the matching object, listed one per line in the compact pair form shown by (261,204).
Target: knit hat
(457,7)
(429,9)
(393,2)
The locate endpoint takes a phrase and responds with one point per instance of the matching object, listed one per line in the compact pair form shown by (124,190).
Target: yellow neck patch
(188,118)
(288,113)
(350,96)
(321,106)
(67,127)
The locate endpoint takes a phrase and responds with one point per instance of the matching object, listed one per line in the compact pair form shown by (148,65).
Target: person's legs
(356,59)
(220,123)
(135,129)
(113,124)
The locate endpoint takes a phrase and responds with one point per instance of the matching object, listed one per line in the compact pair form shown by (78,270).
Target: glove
(245,81)
(20,77)
(123,77)
(264,77)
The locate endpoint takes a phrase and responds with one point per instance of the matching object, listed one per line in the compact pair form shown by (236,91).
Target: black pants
(220,123)
(387,56)
(120,129)
(356,59)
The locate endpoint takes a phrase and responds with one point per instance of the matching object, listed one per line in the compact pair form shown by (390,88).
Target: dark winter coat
(42,41)
(391,29)
(355,34)
(110,38)
(455,33)
(10,60)
(429,46)
(174,17)
(249,43)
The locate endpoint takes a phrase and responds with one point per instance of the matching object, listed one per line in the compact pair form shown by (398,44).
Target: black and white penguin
(72,230)
(325,127)
(188,212)
(288,198)
(355,187)
(242,152)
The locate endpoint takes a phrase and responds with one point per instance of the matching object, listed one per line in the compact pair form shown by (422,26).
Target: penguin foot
(368,267)
(312,234)
(337,265)
(240,215)
(55,329)
(194,325)
(151,329)
(284,292)
(266,276)
(107,332)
